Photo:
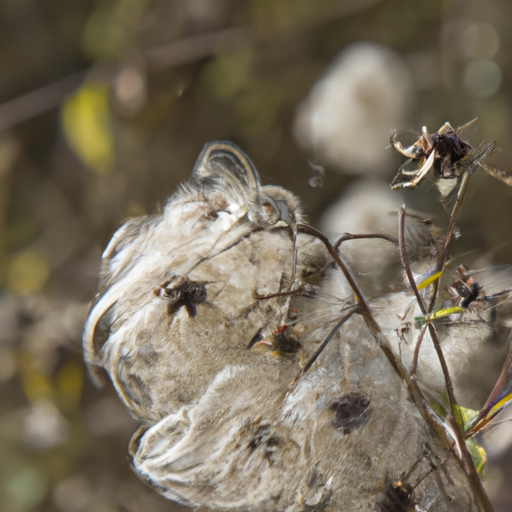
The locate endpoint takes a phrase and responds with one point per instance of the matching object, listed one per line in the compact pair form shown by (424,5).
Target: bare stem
(363,304)
(350,236)
(429,416)
(433,334)
(405,259)
(324,344)
(461,193)
(416,355)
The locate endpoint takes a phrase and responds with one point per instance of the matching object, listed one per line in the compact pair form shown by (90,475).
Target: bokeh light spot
(482,77)
(480,41)
(27,273)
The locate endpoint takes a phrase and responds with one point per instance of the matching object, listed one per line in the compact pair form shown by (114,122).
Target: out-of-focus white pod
(350,112)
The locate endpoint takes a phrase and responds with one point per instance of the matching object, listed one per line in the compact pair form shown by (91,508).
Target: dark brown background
(176,74)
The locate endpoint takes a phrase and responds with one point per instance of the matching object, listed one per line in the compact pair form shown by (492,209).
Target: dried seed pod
(447,154)
(184,297)
(178,290)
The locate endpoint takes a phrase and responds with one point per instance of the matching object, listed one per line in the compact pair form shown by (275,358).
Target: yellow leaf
(88,126)
(429,280)
(445,312)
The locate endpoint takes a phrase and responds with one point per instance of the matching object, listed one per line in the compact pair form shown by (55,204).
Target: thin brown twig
(375,329)
(405,259)
(416,355)
(417,396)
(349,236)
(168,55)
(324,344)
(466,457)
(449,233)
(279,294)
(363,304)
(433,334)
(197,47)
(492,399)
(448,381)
(39,101)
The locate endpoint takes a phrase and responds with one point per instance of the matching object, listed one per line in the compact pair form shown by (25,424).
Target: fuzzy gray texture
(188,323)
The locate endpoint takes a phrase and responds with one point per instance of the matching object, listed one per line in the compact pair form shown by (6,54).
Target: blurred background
(104,106)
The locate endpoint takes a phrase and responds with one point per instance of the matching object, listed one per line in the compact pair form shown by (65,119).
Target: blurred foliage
(87,126)
(104,105)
